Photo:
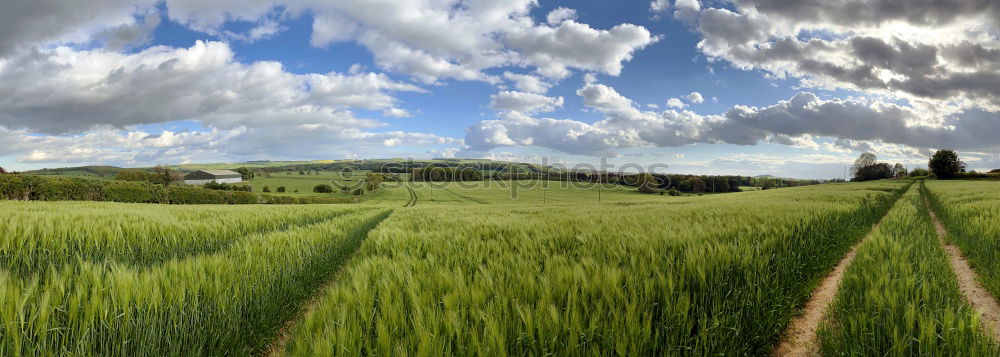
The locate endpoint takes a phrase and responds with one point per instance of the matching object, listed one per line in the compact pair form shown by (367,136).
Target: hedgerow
(39,188)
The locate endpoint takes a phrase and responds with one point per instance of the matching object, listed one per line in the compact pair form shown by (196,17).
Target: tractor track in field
(968,281)
(467,198)
(413,197)
(800,337)
(281,338)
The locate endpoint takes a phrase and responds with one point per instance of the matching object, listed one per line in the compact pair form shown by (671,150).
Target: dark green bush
(282,200)
(226,187)
(17,187)
(323,188)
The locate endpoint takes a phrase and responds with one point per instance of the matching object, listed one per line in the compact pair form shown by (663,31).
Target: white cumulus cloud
(41,89)
(528,83)
(524,102)
(559,15)
(396,113)
(695,98)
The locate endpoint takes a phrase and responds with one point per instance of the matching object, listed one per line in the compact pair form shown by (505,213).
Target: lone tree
(166,175)
(373,181)
(945,164)
(866,168)
(2,171)
(866,159)
(245,173)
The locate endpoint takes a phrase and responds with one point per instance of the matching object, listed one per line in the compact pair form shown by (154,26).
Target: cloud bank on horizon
(776,83)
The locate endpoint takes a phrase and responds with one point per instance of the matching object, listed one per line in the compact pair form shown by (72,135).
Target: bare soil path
(800,338)
(968,281)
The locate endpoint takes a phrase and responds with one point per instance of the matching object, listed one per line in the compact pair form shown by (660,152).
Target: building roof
(220,172)
(211,174)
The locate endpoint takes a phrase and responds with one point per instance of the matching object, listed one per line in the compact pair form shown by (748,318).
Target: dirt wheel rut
(968,281)
(800,337)
(277,345)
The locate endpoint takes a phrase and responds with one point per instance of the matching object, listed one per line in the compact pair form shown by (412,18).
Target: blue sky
(752,87)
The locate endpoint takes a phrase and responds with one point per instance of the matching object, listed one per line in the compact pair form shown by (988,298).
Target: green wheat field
(475,271)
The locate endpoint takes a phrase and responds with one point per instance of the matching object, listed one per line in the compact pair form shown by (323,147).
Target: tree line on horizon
(944,164)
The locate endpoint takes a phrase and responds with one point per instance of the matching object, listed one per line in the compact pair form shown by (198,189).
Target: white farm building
(202,177)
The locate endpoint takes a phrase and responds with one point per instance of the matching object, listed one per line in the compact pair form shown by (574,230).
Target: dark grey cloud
(875,12)
(856,120)
(129,35)
(948,53)
(722,27)
(805,113)
(972,55)
(26,23)
(908,59)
